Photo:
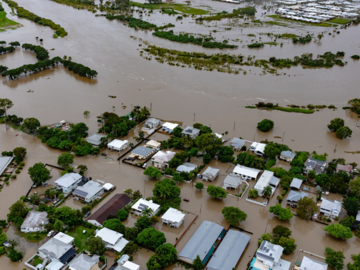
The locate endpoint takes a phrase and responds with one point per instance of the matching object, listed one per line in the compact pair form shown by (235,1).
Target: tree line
(133,22)
(41,52)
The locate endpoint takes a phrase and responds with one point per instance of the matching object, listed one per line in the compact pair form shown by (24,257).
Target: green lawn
(37,260)
(279,19)
(339,21)
(34,237)
(178,7)
(5,22)
(80,238)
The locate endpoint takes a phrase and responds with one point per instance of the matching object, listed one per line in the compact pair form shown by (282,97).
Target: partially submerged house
(267,179)
(202,242)
(312,264)
(246,173)
(294,197)
(110,208)
(85,262)
(268,256)
(316,165)
(68,182)
(330,208)
(210,174)
(236,144)
(35,221)
(191,132)
(287,156)
(344,168)
(152,123)
(258,148)
(232,181)
(117,145)
(229,251)
(186,167)
(113,240)
(142,204)
(296,183)
(62,237)
(153,144)
(95,139)
(141,152)
(173,218)
(161,159)
(168,127)
(4,163)
(88,192)
(124,264)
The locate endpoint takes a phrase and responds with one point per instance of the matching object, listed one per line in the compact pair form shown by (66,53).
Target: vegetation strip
(178,7)
(4,21)
(133,22)
(237,13)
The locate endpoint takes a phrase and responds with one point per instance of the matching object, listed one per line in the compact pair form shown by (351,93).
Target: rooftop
(170,125)
(88,190)
(55,248)
(344,168)
(312,162)
(232,180)
(4,162)
(211,171)
(264,180)
(34,219)
(296,183)
(269,252)
(163,156)
(331,205)
(288,154)
(173,215)
(142,204)
(238,143)
(84,262)
(67,239)
(142,151)
(95,138)
(68,179)
(311,264)
(295,196)
(190,131)
(253,173)
(109,236)
(117,143)
(152,121)
(186,167)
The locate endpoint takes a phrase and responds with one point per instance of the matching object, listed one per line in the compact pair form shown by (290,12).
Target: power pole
(234,125)
(150,107)
(194,117)
(283,136)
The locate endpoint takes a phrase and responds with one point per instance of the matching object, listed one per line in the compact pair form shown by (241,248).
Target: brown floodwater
(182,95)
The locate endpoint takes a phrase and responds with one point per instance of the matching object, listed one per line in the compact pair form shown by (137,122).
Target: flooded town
(179,134)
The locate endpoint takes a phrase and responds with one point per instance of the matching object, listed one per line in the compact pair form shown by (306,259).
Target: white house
(34,222)
(311,264)
(269,256)
(246,173)
(68,182)
(358,216)
(330,208)
(127,265)
(258,148)
(89,191)
(186,167)
(232,181)
(173,217)
(168,127)
(210,174)
(85,262)
(4,163)
(118,145)
(113,240)
(236,144)
(287,156)
(153,144)
(191,132)
(141,152)
(152,123)
(142,204)
(67,239)
(162,158)
(267,179)
(57,252)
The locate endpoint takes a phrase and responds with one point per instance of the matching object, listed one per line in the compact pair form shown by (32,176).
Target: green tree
(151,238)
(206,158)
(177,178)
(17,213)
(5,104)
(348,221)
(311,174)
(288,244)
(199,185)
(233,215)
(115,225)
(265,125)
(95,245)
(20,152)
(306,208)
(3,238)
(356,264)
(177,132)
(58,225)
(31,124)
(167,254)
(282,213)
(14,255)
(280,231)
(253,193)
(334,259)
(175,162)
(153,263)
(122,214)
(35,199)
(39,174)
(65,159)
(153,172)
(216,192)
(82,168)
(166,189)
(339,231)
(226,154)
(69,216)
(354,187)
(264,237)
(143,223)
(86,112)
(335,124)
(343,133)
(131,233)
(197,264)
(351,205)
(267,192)
(207,142)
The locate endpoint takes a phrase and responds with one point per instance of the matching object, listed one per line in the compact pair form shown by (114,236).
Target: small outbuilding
(173,218)
(287,156)
(186,167)
(161,159)
(95,139)
(191,132)
(117,145)
(142,204)
(141,152)
(168,127)
(232,181)
(296,183)
(67,239)
(210,174)
(294,197)
(35,221)
(236,144)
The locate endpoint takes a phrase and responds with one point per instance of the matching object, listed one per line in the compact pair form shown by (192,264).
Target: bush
(265,125)
(122,214)
(253,193)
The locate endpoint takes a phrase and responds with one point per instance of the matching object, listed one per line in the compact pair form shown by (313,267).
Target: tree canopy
(354,187)
(31,124)
(151,238)
(265,125)
(39,174)
(351,205)
(339,231)
(306,208)
(153,172)
(65,159)
(166,189)
(335,124)
(115,225)
(334,259)
(216,192)
(197,264)
(343,133)
(95,245)
(233,215)
(282,213)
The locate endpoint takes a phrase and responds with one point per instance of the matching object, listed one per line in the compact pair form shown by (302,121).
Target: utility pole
(234,125)
(335,148)
(150,107)
(283,136)
(194,117)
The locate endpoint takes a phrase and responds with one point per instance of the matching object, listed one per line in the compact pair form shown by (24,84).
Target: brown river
(183,95)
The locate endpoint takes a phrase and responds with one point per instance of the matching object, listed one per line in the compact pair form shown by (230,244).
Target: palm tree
(147,212)
(267,192)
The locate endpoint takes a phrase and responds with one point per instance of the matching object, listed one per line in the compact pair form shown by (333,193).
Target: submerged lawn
(179,7)
(5,22)
(80,238)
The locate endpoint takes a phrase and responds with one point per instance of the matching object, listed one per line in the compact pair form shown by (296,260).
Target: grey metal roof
(4,162)
(238,143)
(288,154)
(311,264)
(274,181)
(296,183)
(186,167)
(84,262)
(212,171)
(232,180)
(88,190)
(311,161)
(202,240)
(142,151)
(295,196)
(95,139)
(190,130)
(229,251)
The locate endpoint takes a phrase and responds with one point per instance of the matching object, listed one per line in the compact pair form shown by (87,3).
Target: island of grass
(271,106)
(237,13)
(281,21)
(6,23)
(165,6)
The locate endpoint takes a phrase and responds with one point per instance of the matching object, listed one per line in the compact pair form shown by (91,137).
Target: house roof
(288,154)
(312,162)
(186,167)
(295,196)
(238,143)
(84,262)
(190,131)
(117,143)
(311,264)
(344,168)
(55,248)
(131,265)
(274,181)
(68,254)
(296,183)
(211,171)
(67,239)
(142,151)
(4,162)
(109,236)
(34,219)
(282,265)
(173,215)
(260,147)
(163,156)
(330,205)
(202,240)
(264,180)
(111,207)
(269,252)
(141,204)
(229,251)
(251,172)
(54,265)
(119,245)
(95,138)
(153,143)
(108,186)
(68,179)
(232,180)
(152,121)
(88,190)
(169,125)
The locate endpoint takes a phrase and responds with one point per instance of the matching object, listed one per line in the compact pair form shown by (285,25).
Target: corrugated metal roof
(296,183)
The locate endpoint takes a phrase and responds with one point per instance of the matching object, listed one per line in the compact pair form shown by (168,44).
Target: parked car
(144,165)
(87,214)
(50,233)
(315,216)
(186,200)
(104,154)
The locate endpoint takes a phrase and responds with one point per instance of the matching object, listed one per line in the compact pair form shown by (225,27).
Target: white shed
(117,145)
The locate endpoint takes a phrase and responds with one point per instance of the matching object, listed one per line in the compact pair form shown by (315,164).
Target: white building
(236,144)
(113,240)
(258,148)
(127,265)
(246,173)
(162,158)
(186,167)
(153,144)
(152,123)
(34,222)
(173,217)
(4,163)
(142,204)
(210,174)
(67,239)
(232,181)
(56,252)
(95,139)
(287,156)
(85,262)
(89,191)
(330,208)
(168,127)
(191,132)
(269,256)
(118,145)
(267,179)
(68,182)
(358,216)
(311,264)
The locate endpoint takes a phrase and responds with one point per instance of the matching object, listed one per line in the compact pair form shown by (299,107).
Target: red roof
(345,168)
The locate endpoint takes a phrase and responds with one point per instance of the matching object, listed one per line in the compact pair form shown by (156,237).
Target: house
(287,156)
(57,252)
(246,173)
(95,139)
(141,152)
(67,239)
(85,262)
(34,222)
(296,183)
(113,240)
(108,186)
(294,197)
(236,144)
(125,264)
(142,204)
(68,182)
(316,165)
(153,144)
(330,208)
(152,123)
(267,179)
(258,148)
(186,167)
(229,251)
(232,181)
(173,218)
(191,132)
(4,163)
(344,168)
(88,192)
(168,127)
(110,208)
(269,256)
(117,145)
(210,174)
(202,242)
(311,264)
(161,159)
(219,137)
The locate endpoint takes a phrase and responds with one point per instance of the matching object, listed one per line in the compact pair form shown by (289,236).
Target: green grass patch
(237,13)
(250,107)
(287,36)
(339,21)
(271,43)
(37,260)
(296,110)
(277,17)
(80,238)
(5,22)
(178,7)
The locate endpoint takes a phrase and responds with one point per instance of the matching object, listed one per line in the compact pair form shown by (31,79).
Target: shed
(186,167)
(311,264)
(210,174)
(118,145)
(153,144)
(108,186)
(173,217)
(236,144)
(4,163)
(296,183)
(232,181)
(95,139)
(246,173)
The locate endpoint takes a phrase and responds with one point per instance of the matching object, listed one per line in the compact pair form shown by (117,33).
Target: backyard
(80,237)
